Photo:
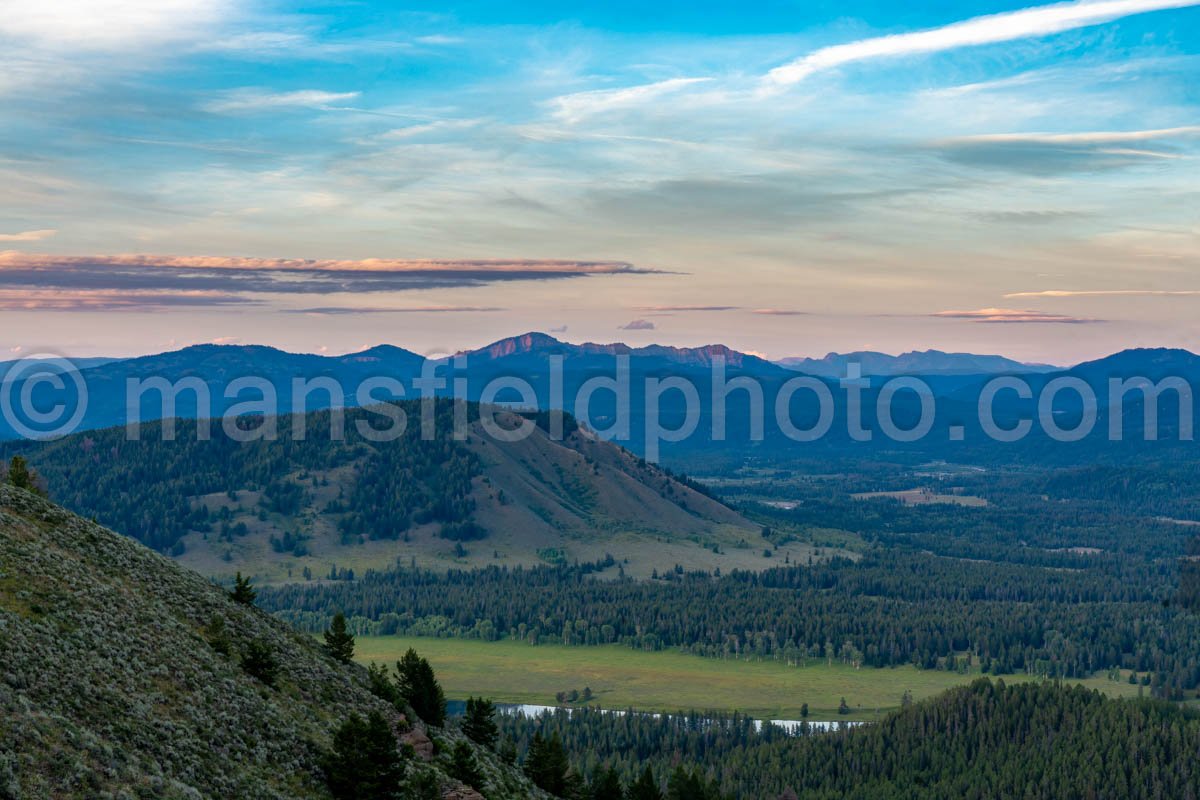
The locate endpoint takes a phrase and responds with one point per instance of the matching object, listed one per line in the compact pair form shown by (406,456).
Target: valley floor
(620,677)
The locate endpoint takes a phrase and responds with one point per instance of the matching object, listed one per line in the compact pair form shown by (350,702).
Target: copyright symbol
(31,419)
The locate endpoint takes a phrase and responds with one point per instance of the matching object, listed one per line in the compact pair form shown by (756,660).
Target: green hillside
(291,510)
(115,682)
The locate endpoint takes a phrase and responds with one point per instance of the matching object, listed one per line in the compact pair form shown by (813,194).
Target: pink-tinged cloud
(352,310)
(661,309)
(16,259)
(28,236)
(282,275)
(779,312)
(1012,315)
(637,325)
(108,300)
(1108,293)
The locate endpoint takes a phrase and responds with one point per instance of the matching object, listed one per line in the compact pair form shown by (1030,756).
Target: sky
(786,178)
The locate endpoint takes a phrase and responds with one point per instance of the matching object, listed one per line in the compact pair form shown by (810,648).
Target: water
(793,726)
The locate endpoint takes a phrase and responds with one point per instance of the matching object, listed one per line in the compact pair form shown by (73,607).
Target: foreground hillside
(113,682)
(292,508)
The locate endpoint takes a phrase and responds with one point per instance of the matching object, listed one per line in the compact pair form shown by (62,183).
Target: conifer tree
(463,766)
(217,635)
(259,662)
(18,473)
(546,764)
(364,762)
(339,642)
(508,752)
(381,684)
(424,786)
(645,787)
(479,724)
(684,785)
(243,592)
(22,477)
(606,785)
(419,688)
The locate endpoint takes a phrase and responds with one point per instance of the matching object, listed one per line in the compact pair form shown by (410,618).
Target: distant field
(620,677)
(920,497)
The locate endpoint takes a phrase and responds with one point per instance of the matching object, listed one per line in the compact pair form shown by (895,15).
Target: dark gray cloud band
(224,278)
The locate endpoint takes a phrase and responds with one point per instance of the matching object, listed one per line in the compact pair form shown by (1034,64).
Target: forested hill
(1042,741)
(125,675)
(325,500)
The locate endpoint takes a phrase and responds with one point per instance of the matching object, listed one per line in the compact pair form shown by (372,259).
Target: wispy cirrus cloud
(990,29)
(109,301)
(334,311)
(28,236)
(577,106)
(1107,293)
(1012,315)
(250,101)
(1049,153)
(672,309)
(779,312)
(1086,137)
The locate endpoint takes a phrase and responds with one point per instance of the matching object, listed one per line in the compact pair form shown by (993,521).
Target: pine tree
(217,635)
(684,785)
(18,473)
(339,642)
(424,786)
(645,787)
(381,684)
(365,762)
(463,766)
(419,688)
(259,662)
(479,724)
(546,764)
(243,592)
(22,477)
(606,785)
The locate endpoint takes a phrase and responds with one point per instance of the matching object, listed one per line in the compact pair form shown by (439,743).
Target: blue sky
(785,178)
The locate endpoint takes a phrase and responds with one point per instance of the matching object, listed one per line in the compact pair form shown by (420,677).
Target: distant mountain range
(540,345)
(956,380)
(78,363)
(916,362)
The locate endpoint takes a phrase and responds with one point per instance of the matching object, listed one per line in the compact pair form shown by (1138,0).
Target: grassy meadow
(619,677)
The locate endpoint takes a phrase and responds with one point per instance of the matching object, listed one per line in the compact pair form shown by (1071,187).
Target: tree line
(888,608)
(988,739)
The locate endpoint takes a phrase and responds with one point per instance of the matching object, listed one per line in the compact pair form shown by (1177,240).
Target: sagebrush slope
(110,688)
